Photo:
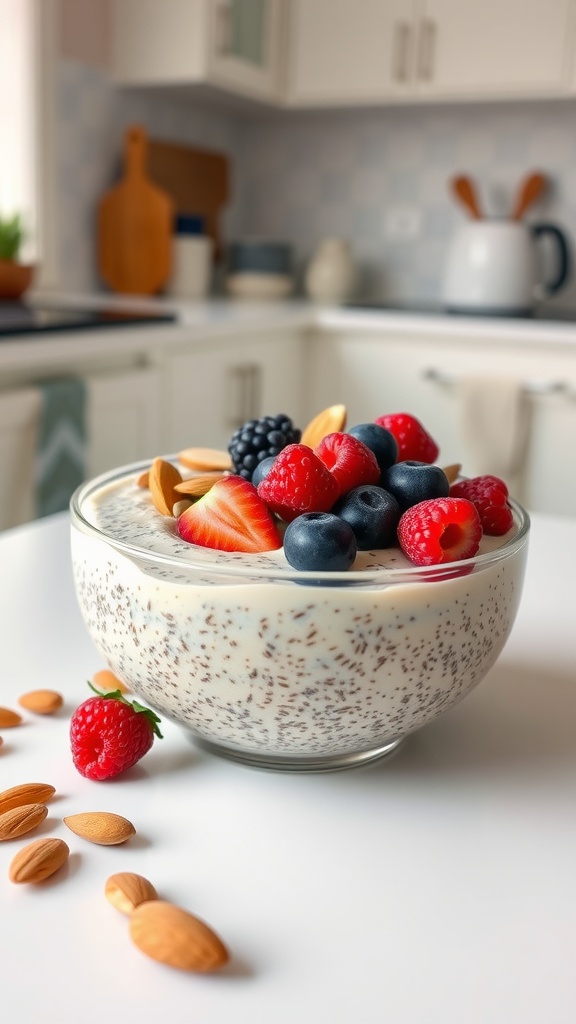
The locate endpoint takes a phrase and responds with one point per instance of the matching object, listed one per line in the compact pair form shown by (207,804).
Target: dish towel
(494,422)
(62,443)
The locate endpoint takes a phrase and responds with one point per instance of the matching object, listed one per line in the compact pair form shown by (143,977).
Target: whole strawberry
(109,734)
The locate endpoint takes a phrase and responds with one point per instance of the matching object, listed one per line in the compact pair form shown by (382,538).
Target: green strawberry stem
(138,708)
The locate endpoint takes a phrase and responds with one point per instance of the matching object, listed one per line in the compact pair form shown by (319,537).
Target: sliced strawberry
(350,461)
(440,530)
(230,517)
(298,482)
(414,442)
(490,496)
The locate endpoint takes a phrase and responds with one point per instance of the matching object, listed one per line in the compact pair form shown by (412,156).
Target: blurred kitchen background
(375,174)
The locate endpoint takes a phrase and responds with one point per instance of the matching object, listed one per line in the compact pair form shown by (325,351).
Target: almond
(452,471)
(26,793)
(205,459)
(101,827)
(326,422)
(163,479)
(126,891)
(198,486)
(144,479)
(9,718)
(172,936)
(41,702)
(105,681)
(20,820)
(38,860)
(180,507)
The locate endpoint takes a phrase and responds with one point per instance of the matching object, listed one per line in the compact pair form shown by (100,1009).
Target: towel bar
(533,387)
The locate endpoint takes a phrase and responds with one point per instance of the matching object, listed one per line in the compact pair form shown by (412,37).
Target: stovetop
(18,318)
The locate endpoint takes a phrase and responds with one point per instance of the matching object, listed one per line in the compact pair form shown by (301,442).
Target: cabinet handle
(531,387)
(426,48)
(244,393)
(401,51)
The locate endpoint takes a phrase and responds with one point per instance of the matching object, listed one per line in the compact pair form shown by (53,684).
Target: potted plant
(15,277)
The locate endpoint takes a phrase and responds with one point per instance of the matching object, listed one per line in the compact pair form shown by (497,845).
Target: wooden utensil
(198,181)
(530,190)
(135,224)
(463,188)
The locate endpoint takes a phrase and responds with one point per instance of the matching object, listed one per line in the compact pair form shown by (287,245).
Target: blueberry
(373,514)
(319,542)
(262,469)
(379,440)
(411,482)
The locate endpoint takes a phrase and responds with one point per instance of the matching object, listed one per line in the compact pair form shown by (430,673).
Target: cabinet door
(246,38)
(211,389)
(350,51)
(502,47)
(373,375)
(123,418)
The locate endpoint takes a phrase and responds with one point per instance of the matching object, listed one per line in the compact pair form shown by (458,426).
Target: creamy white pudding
(281,668)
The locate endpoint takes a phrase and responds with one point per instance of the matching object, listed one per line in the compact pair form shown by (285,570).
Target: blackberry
(256,440)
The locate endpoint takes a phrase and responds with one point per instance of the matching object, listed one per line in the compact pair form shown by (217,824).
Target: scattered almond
(26,793)
(197,486)
(41,702)
(452,471)
(144,479)
(163,479)
(38,860)
(180,507)
(20,820)
(105,681)
(326,422)
(126,891)
(172,936)
(101,827)
(9,718)
(206,459)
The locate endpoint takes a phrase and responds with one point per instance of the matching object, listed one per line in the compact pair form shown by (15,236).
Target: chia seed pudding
(279,668)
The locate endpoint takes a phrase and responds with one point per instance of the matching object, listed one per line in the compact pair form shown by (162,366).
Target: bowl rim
(220,563)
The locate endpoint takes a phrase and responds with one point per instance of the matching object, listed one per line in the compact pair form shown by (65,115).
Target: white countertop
(437,886)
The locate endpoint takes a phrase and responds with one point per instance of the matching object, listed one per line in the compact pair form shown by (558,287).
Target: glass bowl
(279,668)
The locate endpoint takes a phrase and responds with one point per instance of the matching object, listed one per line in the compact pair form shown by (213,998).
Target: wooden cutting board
(198,181)
(135,225)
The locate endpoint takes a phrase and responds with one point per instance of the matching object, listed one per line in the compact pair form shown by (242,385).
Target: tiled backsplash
(378,177)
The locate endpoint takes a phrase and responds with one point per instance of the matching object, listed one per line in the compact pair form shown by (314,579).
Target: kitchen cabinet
(344,52)
(122,425)
(219,384)
(375,373)
(233,45)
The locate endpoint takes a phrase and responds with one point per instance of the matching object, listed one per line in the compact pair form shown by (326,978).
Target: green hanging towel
(62,445)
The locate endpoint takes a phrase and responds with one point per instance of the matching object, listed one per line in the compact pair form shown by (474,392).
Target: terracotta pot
(15,279)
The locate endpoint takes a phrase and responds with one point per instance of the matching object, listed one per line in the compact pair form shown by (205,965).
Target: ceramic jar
(331,275)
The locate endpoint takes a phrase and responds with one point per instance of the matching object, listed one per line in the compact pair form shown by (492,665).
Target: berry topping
(414,442)
(411,482)
(298,482)
(373,515)
(490,496)
(109,734)
(257,439)
(379,440)
(440,530)
(230,517)
(319,542)
(349,460)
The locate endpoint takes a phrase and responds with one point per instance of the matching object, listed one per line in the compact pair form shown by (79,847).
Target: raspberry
(298,482)
(414,442)
(349,460)
(258,439)
(108,734)
(490,496)
(440,530)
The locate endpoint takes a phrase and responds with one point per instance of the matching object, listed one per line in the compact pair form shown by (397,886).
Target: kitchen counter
(439,885)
